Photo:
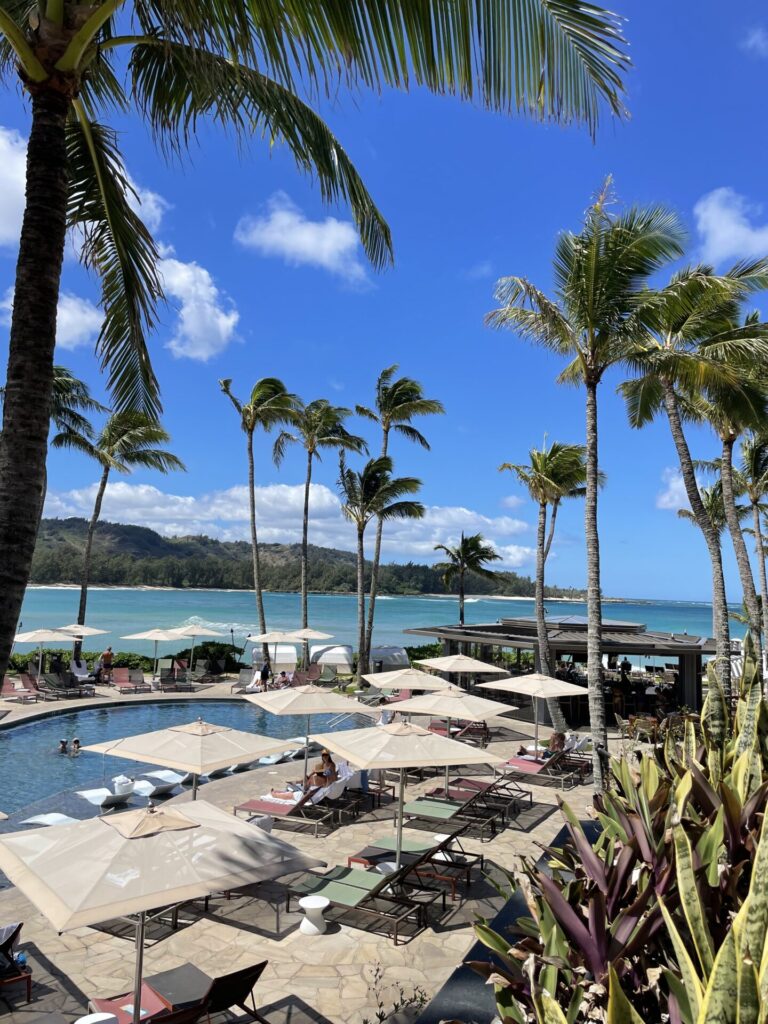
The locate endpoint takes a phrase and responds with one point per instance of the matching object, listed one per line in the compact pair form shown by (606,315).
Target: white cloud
(724,220)
(149,205)
(286,232)
(673,497)
(13,156)
(207,319)
(224,514)
(78,321)
(480,270)
(512,501)
(756,41)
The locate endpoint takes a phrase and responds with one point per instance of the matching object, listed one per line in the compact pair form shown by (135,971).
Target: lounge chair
(14,689)
(305,810)
(54,686)
(501,785)
(167,681)
(154,784)
(443,811)
(121,676)
(213,995)
(486,794)
(136,678)
(10,971)
(555,768)
(391,899)
(244,678)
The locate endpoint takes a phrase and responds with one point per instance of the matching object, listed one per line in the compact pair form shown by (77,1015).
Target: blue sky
(264,280)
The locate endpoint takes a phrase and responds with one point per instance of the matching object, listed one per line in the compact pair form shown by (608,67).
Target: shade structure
(197,747)
(131,863)
(311,634)
(461,663)
(79,629)
(401,745)
(158,635)
(193,632)
(40,637)
(536,686)
(306,700)
(454,704)
(407,679)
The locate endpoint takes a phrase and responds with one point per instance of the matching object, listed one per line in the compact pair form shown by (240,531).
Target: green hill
(137,556)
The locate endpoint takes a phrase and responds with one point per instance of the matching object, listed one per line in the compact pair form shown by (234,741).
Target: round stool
(313,922)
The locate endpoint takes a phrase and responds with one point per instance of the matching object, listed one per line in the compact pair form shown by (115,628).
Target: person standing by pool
(106,666)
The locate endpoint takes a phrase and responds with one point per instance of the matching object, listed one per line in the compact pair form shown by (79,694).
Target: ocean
(123,610)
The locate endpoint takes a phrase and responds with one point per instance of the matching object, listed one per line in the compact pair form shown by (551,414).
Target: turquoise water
(32,769)
(130,610)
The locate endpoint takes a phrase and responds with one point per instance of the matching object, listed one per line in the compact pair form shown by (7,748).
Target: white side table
(313,922)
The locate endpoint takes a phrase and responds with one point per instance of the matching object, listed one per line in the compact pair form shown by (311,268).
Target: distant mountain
(137,556)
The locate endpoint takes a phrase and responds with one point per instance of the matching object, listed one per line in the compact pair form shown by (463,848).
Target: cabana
(338,656)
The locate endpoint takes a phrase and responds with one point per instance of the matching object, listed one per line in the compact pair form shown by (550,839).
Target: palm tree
(553,473)
(396,404)
(270,405)
(693,345)
(752,476)
(599,311)
(365,495)
(471,554)
(318,425)
(127,440)
(241,66)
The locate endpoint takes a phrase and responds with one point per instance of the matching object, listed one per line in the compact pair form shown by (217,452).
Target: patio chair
(315,671)
(243,679)
(328,675)
(167,681)
(555,768)
(288,813)
(56,687)
(442,811)
(12,973)
(136,677)
(9,934)
(121,675)
(14,689)
(234,989)
(183,683)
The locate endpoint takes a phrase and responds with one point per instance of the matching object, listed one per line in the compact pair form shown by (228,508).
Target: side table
(313,922)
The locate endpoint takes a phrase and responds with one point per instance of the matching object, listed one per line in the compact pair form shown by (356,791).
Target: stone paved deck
(327,978)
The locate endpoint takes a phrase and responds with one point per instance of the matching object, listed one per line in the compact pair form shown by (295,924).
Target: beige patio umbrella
(194,631)
(158,635)
(131,863)
(305,635)
(536,686)
(306,700)
(407,679)
(198,747)
(454,704)
(40,637)
(461,663)
(78,630)
(275,637)
(401,745)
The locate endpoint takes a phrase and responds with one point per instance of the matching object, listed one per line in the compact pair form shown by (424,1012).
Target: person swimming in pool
(75,747)
(63,747)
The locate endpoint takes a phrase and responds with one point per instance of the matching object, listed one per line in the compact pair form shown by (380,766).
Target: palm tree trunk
(594,601)
(760,546)
(740,550)
(85,575)
(255,546)
(376,559)
(545,658)
(29,379)
(361,667)
(552,521)
(304,562)
(461,596)
(719,600)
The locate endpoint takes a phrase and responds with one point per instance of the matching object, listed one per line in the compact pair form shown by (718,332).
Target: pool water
(31,769)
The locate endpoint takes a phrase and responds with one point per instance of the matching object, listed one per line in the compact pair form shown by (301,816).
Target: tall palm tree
(365,495)
(270,405)
(553,474)
(752,476)
(397,402)
(471,554)
(316,426)
(599,311)
(242,66)
(127,441)
(693,345)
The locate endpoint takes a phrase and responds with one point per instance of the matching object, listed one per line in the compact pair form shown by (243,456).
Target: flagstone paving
(323,978)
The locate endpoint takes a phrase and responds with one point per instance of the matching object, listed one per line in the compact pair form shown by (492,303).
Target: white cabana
(338,656)
(387,659)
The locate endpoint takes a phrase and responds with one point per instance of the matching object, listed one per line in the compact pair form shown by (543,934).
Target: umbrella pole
(194,785)
(536,727)
(448,735)
(191,656)
(154,664)
(306,754)
(139,968)
(39,662)
(400,806)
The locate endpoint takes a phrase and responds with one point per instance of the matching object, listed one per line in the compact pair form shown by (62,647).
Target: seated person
(556,745)
(255,685)
(79,669)
(323,774)
(281,681)
(57,665)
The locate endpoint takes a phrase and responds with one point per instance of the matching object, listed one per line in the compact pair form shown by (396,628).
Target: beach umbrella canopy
(131,863)
(407,679)
(307,700)
(275,637)
(197,747)
(310,634)
(157,635)
(193,632)
(536,686)
(461,663)
(77,629)
(40,637)
(401,745)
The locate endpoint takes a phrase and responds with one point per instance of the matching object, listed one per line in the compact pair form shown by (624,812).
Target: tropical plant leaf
(690,900)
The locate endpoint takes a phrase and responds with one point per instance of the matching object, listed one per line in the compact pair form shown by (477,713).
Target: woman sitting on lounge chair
(323,774)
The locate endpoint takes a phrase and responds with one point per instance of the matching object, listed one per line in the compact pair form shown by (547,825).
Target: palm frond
(412,434)
(118,247)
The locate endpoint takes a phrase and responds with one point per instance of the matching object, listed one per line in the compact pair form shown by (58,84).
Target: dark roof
(576,621)
(566,636)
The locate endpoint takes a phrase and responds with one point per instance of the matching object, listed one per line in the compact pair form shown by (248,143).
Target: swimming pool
(31,769)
